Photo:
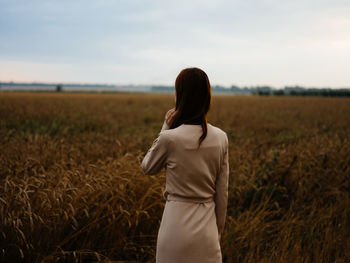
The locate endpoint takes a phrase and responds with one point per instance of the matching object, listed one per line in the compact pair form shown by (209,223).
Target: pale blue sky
(242,42)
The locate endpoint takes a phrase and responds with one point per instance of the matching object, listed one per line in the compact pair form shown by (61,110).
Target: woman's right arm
(221,194)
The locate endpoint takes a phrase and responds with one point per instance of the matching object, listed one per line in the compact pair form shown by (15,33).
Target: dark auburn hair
(193,99)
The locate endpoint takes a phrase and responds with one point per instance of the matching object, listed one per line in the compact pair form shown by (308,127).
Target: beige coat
(196,192)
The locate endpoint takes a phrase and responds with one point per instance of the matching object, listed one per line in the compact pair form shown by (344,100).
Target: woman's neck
(196,121)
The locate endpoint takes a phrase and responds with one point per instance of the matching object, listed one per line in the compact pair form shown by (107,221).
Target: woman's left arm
(155,159)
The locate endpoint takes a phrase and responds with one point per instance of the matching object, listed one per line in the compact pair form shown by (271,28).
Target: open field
(71,188)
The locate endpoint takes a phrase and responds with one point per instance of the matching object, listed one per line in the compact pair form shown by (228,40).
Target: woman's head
(193,99)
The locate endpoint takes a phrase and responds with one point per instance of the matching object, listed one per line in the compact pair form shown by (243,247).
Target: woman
(195,155)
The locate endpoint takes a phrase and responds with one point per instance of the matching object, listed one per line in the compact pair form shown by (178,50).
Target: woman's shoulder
(219,133)
(190,131)
(217,130)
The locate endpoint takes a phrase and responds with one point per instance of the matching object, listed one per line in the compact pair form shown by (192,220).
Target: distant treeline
(67,87)
(300,91)
(255,90)
(268,91)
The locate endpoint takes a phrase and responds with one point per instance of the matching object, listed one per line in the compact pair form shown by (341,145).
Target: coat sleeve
(155,158)
(221,194)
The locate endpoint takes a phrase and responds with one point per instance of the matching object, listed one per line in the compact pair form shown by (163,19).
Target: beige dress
(196,193)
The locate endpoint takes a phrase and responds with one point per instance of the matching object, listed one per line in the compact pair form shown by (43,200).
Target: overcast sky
(242,42)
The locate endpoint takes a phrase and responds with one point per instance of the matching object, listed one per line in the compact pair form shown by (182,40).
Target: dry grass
(71,188)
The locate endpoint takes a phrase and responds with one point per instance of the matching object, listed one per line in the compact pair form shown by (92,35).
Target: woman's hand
(169,116)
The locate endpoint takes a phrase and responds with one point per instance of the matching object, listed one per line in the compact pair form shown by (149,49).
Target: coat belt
(199,200)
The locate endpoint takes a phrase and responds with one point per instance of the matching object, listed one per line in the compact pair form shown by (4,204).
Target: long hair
(193,99)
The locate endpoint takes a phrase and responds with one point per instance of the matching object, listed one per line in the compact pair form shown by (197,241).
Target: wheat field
(71,187)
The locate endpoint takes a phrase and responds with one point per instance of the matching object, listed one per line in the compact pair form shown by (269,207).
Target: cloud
(237,42)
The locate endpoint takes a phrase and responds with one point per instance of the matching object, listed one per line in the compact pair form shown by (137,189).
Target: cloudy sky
(242,42)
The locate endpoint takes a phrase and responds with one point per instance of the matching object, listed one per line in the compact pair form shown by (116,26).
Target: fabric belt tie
(171,197)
